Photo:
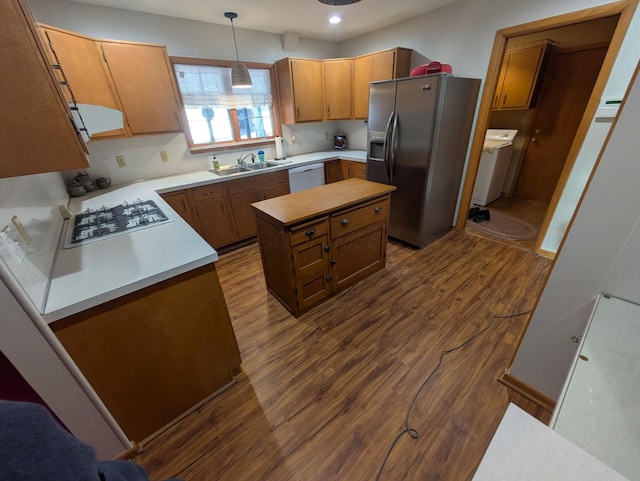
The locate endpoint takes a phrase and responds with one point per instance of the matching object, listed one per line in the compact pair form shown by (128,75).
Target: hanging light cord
(235,44)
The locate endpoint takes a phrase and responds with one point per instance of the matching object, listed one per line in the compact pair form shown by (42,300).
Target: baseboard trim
(527,397)
(547,254)
(130,453)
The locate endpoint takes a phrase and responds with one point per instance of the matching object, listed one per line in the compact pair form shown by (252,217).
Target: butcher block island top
(308,204)
(317,242)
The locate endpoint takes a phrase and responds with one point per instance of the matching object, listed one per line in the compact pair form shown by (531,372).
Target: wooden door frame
(625,9)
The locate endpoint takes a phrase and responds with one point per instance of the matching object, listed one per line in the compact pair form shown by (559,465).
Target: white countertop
(524,449)
(91,274)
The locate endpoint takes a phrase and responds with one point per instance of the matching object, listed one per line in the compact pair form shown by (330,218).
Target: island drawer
(350,220)
(309,231)
(208,191)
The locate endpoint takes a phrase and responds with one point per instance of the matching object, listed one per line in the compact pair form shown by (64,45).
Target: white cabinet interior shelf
(599,409)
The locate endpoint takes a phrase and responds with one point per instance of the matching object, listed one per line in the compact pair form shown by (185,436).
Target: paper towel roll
(279,151)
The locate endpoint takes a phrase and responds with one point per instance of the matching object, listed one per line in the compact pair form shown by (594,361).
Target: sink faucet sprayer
(241,160)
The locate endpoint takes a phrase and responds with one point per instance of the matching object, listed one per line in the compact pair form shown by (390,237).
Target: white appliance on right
(494,164)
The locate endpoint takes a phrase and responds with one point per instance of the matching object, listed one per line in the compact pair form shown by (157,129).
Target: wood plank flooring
(323,396)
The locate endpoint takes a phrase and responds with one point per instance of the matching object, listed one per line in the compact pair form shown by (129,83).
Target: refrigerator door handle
(387,142)
(392,147)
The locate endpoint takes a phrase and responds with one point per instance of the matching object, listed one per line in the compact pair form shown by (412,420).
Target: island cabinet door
(359,242)
(358,255)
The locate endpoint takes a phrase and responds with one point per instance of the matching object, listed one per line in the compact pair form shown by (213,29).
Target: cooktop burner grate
(98,223)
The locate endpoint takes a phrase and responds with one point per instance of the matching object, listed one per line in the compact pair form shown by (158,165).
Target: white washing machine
(494,164)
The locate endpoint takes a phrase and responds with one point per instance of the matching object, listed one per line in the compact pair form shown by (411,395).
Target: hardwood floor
(528,210)
(323,396)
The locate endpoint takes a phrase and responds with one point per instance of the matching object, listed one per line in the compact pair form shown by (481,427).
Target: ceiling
(308,18)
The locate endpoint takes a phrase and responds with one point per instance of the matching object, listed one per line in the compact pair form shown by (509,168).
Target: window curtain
(209,86)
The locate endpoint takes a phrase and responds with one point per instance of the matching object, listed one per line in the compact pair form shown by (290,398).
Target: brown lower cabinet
(337,170)
(221,212)
(315,243)
(154,354)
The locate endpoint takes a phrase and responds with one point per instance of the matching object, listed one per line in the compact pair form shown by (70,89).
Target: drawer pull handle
(328,278)
(332,261)
(310,232)
(344,221)
(377,210)
(327,248)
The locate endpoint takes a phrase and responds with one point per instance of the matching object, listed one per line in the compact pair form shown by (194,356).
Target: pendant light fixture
(240,77)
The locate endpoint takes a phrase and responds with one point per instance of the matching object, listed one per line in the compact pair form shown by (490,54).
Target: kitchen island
(319,241)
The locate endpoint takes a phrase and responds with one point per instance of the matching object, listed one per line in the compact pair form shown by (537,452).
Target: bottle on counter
(261,155)
(214,163)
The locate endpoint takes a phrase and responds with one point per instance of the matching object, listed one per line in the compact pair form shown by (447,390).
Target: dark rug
(505,227)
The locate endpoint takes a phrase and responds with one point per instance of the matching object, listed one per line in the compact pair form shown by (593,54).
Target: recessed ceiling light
(335,19)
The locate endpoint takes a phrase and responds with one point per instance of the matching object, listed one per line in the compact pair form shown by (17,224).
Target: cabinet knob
(328,278)
(332,261)
(298,113)
(344,221)
(310,232)
(327,248)
(377,210)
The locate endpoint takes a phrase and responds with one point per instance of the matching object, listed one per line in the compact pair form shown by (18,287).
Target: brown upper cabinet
(145,84)
(337,75)
(386,65)
(82,65)
(135,78)
(519,77)
(300,90)
(335,89)
(37,132)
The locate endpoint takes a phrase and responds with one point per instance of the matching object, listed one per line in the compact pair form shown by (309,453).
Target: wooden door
(358,254)
(362,75)
(567,87)
(37,134)
(383,65)
(143,78)
(180,203)
(518,78)
(216,221)
(333,171)
(337,88)
(85,71)
(307,90)
(275,190)
(245,218)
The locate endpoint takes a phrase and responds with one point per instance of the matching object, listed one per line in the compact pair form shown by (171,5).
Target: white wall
(600,254)
(462,35)
(186,38)
(34,199)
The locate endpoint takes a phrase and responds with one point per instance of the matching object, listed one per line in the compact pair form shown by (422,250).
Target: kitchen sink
(261,165)
(230,170)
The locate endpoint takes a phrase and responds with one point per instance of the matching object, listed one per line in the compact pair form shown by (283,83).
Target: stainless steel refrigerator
(418,134)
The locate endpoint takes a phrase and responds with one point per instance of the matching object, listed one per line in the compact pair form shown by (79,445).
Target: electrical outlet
(293,139)
(164,156)
(120,160)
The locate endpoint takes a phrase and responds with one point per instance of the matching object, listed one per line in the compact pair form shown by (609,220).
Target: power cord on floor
(412,432)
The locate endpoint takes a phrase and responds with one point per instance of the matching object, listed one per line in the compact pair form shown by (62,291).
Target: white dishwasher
(306,177)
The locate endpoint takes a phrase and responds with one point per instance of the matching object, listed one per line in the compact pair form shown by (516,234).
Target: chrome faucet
(241,160)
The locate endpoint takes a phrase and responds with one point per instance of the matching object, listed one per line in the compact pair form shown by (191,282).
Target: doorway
(597,28)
